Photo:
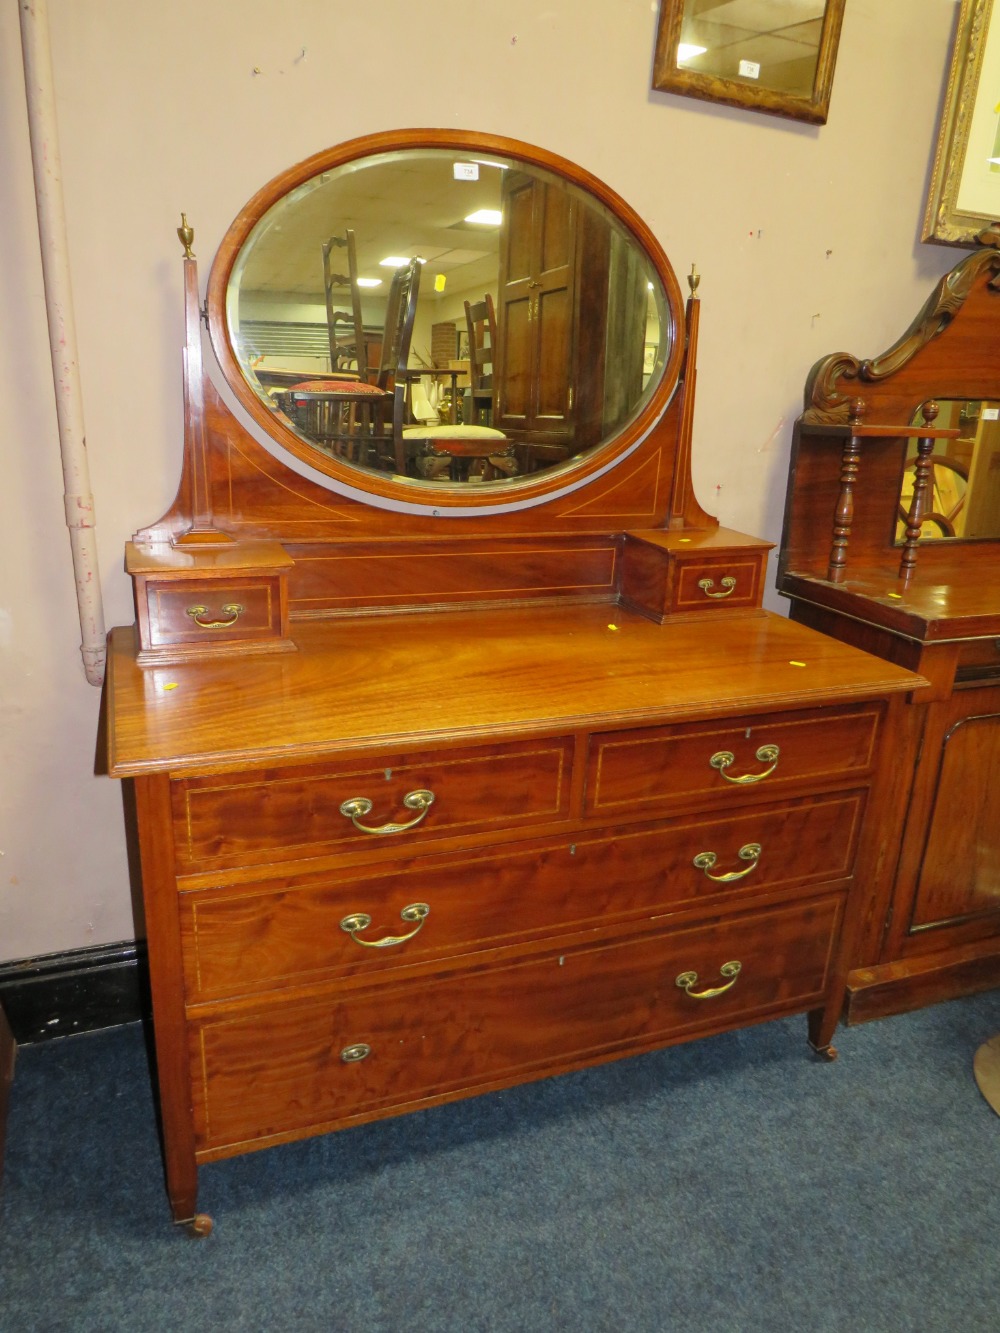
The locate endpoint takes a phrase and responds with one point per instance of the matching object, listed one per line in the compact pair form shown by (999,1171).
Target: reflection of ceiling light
(369,282)
(396,261)
(688,51)
(486,217)
(485,162)
(993,161)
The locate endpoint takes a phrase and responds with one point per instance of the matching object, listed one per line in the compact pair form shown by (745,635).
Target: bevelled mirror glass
(445,317)
(963,496)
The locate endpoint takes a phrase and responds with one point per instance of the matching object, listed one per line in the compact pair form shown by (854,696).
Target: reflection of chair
(347,349)
(350,417)
(945,499)
(451,452)
(400,312)
(342,416)
(482,325)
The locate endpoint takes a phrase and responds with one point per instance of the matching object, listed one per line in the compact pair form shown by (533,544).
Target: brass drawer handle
(352,1054)
(358,921)
(767,754)
(231,609)
(728,585)
(688,980)
(750,851)
(420,800)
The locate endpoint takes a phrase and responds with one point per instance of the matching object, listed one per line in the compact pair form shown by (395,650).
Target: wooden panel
(278,1072)
(555,330)
(960,872)
(655,767)
(393,574)
(556,229)
(241,940)
(518,232)
(514,331)
(280,814)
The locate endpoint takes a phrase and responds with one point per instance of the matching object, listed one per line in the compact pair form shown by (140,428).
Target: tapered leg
(166,975)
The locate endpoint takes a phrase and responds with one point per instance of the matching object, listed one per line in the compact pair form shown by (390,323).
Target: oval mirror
(450,317)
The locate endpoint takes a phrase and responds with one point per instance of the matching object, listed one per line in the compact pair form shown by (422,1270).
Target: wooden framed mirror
(341,309)
(767,55)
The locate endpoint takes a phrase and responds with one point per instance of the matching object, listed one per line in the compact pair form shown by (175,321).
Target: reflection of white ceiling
(781,36)
(394,206)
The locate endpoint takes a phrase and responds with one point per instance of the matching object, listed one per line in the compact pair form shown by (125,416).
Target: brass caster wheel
(198,1226)
(827,1053)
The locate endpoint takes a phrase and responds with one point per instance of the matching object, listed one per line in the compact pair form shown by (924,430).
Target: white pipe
(78,499)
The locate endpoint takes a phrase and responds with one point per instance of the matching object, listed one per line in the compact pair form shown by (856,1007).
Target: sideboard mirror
(403,283)
(964,478)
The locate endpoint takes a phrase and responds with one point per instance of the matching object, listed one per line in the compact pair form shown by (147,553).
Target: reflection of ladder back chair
(350,417)
(347,350)
(481,320)
(400,313)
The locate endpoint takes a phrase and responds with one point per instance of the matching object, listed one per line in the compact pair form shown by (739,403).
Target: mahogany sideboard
(444,786)
(891,543)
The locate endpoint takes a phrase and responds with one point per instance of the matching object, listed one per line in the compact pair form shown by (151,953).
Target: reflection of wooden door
(537,298)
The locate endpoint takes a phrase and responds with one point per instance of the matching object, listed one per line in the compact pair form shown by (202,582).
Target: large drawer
(280,814)
(249,938)
(290,1069)
(654,768)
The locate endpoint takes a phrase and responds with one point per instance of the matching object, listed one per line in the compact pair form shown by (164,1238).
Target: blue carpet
(730,1186)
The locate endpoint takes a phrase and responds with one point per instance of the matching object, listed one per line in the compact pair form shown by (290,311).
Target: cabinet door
(950,862)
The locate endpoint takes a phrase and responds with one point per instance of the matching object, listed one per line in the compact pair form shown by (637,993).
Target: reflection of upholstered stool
(340,415)
(461,452)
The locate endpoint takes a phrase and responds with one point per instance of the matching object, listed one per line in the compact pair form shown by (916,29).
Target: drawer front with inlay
(292,1068)
(707,584)
(250,938)
(283,814)
(639,771)
(203,612)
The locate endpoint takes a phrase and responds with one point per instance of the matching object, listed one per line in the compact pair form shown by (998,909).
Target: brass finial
(694,277)
(185,235)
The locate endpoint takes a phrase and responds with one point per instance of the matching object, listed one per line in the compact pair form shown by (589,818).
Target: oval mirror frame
(567,476)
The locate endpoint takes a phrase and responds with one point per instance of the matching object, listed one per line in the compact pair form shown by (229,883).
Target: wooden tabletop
(393,680)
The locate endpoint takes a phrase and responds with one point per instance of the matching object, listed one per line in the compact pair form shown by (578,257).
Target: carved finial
(929,412)
(185,235)
(855,410)
(990,236)
(694,277)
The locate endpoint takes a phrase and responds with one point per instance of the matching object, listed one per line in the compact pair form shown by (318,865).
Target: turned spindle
(922,483)
(843,516)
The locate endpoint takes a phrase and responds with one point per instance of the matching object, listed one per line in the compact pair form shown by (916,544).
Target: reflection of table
(413,376)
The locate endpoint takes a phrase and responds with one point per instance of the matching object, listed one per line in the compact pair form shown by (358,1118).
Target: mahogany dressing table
(446,785)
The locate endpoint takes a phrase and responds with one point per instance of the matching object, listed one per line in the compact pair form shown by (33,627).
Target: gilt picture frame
(744,69)
(964,195)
